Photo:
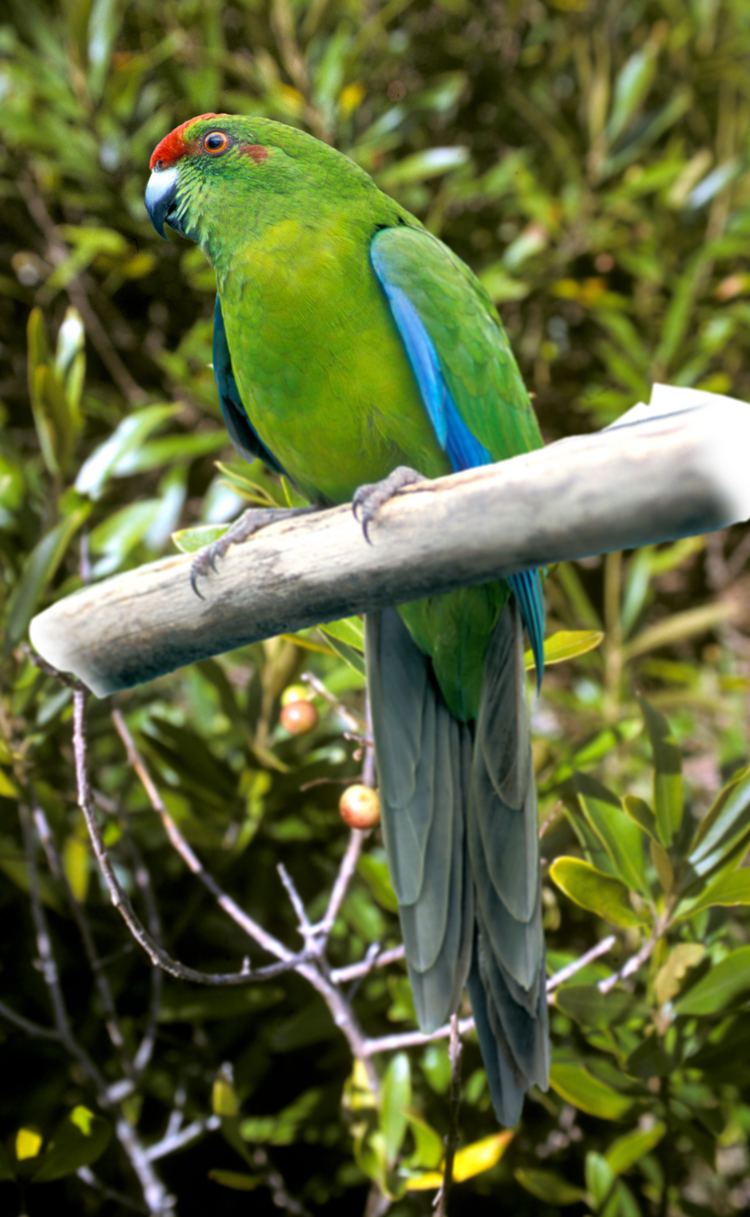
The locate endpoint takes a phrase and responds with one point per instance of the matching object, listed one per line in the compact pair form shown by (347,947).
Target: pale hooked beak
(161,199)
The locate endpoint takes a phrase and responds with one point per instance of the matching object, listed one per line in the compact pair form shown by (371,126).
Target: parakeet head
(218,171)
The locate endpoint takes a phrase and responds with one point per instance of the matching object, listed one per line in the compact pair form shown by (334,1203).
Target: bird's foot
(368,499)
(243,527)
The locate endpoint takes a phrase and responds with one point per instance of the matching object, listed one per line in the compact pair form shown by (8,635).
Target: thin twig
(452,1137)
(87,1176)
(54,861)
(173,1141)
(25,1024)
(631,965)
(158,1202)
(157,954)
(247,924)
(415,1039)
(375,958)
(600,948)
(48,963)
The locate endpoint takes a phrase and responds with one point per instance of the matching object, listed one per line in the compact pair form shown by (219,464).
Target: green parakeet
(348,341)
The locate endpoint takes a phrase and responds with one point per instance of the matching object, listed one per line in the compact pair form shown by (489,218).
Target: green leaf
(75,860)
(639,811)
(663,865)
(396,1098)
(725,982)
(565,645)
(28,1144)
(723,828)
(374,870)
(422,165)
(552,1188)
(472,1160)
(632,84)
(190,540)
(668,793)
(599,1178)
(588,1006)
(39,570)
(7,1168)
(671,974)
(349,630)
(238,1181)
(626,1151)
(576,1085)
(437,1067)
(725,890)
(595,891)
(428,1144)
(282,1128)
(224,1101)
(78,1140)
(620,836)
(127,436)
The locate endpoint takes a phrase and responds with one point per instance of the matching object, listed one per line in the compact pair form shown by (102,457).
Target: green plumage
(326,381)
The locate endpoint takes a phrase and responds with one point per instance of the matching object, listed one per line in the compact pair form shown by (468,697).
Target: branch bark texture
(673,469)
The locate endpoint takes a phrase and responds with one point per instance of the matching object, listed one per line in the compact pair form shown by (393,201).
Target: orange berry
(359,806)
(299,717)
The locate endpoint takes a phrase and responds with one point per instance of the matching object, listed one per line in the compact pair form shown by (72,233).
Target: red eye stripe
(174,145)
(256,152)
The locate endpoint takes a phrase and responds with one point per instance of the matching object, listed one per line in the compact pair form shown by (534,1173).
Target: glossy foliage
(590,161)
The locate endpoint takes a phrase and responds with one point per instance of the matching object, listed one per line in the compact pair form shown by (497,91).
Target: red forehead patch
(174,145)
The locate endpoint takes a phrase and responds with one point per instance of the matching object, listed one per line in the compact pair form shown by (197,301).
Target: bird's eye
(216,142)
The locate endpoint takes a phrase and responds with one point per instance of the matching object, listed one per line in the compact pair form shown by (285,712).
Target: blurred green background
(590,161)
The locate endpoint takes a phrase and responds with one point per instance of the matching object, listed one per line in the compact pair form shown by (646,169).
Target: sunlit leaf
(76,860)
(224,1101)
(469,1161)
(632,85)
(128,435)
(723,827)
(190,540)
(78,1140)
(28,1144)
(565,645)
(593,890)
(671,974)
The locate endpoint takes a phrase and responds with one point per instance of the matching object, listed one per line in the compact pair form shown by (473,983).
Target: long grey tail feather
(424,771)
(507,979)
(460,828)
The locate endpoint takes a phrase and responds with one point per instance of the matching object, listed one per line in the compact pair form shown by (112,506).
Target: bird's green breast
(318,361)
(325,379)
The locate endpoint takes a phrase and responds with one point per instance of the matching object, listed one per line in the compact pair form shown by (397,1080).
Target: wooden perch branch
(676,468)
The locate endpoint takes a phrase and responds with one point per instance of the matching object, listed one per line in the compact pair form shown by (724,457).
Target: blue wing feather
(462,448)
